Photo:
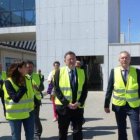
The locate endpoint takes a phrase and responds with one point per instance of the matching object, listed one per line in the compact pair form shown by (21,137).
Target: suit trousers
(37,125)
(65,116)
(121,116)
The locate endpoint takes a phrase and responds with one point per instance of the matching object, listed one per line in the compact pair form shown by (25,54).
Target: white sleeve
(50,77)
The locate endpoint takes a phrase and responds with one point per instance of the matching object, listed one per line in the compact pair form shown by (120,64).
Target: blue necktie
(72,79)
(125,75)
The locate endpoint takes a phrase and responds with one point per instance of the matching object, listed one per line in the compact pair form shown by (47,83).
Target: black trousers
(121,116)
(65,116)
(37,126)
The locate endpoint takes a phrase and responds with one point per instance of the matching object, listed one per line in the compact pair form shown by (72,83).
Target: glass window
(29,17)
(29,4)
(4,5)
(4,19)
(16,5)
(17,13)
(16,18)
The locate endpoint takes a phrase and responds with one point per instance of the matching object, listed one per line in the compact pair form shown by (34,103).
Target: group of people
(21,97)
(22,90)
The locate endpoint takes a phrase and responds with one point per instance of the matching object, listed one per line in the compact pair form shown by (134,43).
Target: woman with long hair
(19,104)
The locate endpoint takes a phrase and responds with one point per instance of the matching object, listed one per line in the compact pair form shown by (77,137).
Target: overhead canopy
(22,45)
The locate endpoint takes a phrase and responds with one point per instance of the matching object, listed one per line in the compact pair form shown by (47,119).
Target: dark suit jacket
(62,98)
(111,87)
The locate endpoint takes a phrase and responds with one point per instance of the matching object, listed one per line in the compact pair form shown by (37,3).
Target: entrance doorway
(93,69)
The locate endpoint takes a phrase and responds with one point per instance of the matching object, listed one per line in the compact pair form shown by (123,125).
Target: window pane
(4,19)
(16,18)
(16,5)
(4,5)
(29,4)
(29,17)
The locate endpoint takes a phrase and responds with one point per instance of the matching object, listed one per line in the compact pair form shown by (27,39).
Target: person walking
(71,92)
(124,84)
(50,90)
(41,79)
(18,100)
(37,99)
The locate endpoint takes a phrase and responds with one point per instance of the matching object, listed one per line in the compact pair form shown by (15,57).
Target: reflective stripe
(21,102)
(79,92)
(68,97)
(129,100)
(132,91)
(125,91)
(119,90)
(119,98)
(65,89)
(18,110)
(133,99)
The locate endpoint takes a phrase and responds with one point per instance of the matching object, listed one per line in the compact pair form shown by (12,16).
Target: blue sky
(130,9)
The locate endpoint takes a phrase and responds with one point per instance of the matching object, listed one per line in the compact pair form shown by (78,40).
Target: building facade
(83,26)
(17,31)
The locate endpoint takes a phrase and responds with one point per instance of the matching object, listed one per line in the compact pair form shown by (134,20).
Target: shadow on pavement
(90,132)
(56,138)
(42,119)
(92,119)
(5,138)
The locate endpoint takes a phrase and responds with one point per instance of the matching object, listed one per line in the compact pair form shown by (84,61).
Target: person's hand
(71,106)
(75,105)
(107,110)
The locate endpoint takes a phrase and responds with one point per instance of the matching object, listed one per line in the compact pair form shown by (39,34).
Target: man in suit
(71,92)
(124,83)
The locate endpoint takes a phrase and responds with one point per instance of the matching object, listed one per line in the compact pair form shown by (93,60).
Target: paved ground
(98,126)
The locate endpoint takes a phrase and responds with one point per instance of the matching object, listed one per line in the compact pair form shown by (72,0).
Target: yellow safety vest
(128,93)
(35,77)
(4,75)
(64,84)
(30,91)
(36,82)
(21,109)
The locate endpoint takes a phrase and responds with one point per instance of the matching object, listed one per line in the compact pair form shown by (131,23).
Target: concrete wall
(113,21)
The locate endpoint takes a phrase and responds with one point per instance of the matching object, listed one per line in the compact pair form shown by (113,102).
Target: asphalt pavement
(98,125)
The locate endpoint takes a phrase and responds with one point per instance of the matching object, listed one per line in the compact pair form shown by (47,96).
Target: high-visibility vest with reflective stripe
(36,82)
(128,93)
(36,78)
(18,110)
(64,84)
(30,91)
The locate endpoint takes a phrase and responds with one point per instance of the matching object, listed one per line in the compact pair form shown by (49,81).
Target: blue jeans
(121,116)
(28,125)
